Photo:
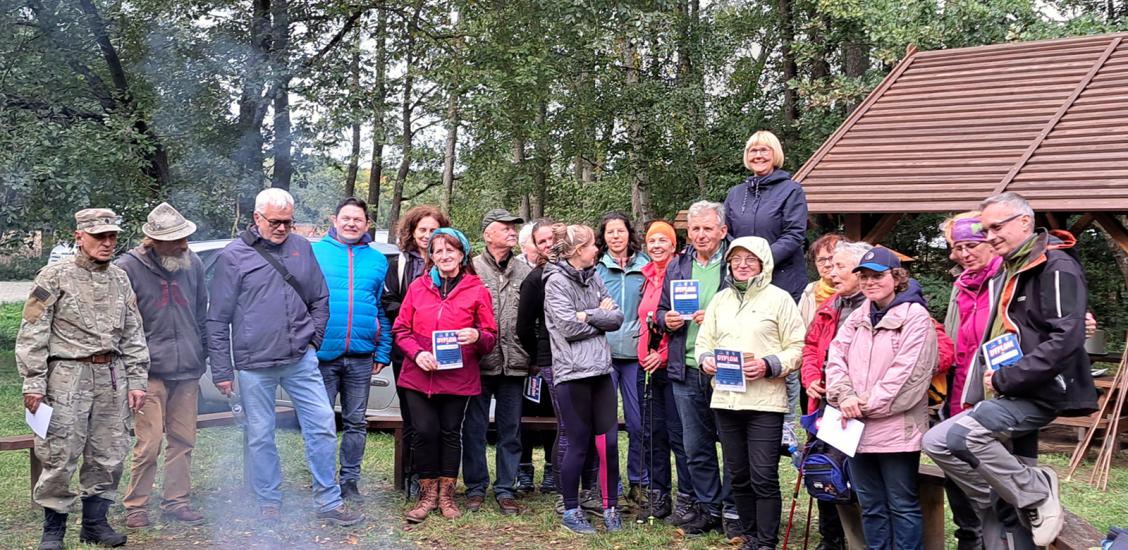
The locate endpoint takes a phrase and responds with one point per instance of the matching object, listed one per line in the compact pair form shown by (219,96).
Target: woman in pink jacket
(878,370)
(447,297)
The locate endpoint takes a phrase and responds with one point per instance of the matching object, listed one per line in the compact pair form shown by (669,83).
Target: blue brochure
(448,354)
(730,370)
(1002,351)
(685,297)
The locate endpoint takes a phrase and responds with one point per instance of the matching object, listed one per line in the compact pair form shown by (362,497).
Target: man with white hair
(172,297)
(269,308)
(1039,300)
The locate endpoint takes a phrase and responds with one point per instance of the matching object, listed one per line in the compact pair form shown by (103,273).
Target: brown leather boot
(449,509)
(428,500)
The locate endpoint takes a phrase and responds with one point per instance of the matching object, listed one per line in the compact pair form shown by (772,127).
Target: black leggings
(589,409)
(438,433)
(533,438)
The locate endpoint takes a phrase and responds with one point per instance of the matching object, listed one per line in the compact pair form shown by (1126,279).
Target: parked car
(382,400)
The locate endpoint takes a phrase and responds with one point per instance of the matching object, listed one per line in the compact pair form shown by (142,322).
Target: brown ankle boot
(447,486)
(428,500)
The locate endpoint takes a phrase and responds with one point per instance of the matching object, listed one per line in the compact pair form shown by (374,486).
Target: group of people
(570,321)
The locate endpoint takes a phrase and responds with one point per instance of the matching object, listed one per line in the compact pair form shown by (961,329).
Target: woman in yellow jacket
(762,323)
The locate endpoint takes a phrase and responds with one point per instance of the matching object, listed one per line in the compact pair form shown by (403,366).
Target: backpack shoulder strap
(260,247)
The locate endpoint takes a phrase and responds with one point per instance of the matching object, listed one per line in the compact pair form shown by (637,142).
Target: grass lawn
(232,511)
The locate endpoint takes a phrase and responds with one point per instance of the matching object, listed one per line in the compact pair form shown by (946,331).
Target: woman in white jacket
(763,323)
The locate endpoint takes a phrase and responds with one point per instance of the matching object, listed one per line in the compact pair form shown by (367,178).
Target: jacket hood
(141,254)
(912,295)
(365,238)
(772,178)
(760,247)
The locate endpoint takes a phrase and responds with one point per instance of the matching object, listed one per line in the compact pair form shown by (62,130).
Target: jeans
(625,376)
(886,485)
(699,435)
(302,382)
(662,434)
(750,443)
(509,392)
(350,376)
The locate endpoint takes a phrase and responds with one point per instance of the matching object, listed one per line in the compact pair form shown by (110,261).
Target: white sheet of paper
(40,420)
(844,439)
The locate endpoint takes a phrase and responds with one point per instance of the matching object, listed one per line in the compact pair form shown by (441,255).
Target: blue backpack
(825,473)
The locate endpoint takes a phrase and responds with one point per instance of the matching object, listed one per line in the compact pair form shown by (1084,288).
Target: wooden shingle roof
(948,128)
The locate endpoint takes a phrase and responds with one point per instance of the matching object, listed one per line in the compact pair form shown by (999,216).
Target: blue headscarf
(462,240)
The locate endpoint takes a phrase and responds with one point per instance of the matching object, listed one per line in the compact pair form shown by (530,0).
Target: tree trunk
(689,76)
(407,133)
(790,71)
(640,177)
(453,121)
(249,155)
(820,68)
(518,186)
(542,149)
(379,130)
(354,152)
(855,54)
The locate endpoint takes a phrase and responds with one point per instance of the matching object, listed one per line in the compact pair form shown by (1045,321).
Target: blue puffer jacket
(625,287)
(773,207)
(355,276)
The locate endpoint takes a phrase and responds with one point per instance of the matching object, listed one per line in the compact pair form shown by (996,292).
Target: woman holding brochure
(446,307)
(579,312)
(750,339)
(878,370)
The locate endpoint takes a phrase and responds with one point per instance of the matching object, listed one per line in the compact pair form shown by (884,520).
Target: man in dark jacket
(168,280)
(269,307)
(503,371)
(703,261)
(1039,298)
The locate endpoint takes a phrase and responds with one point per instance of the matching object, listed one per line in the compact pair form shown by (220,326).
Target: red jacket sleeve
(487,323)
(814,351)
(946,350)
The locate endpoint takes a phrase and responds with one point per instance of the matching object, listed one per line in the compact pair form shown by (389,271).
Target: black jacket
(681,267)
(402,271)
(1046,307)
(530,319)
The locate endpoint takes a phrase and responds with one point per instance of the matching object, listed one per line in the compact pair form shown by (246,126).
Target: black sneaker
(684,512)
(659,504)
(525,478)
(350,493)
(341,517)
(702,524)
(733,528)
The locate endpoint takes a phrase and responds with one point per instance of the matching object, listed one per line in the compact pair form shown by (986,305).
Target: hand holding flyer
(1002,351)
(685,297)
(447,351)
(730,370)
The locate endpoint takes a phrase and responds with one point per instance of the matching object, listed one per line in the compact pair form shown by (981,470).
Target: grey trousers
(990,452)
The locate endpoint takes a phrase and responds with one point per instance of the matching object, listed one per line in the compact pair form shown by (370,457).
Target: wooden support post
(854,227)
(1114,228)
(882,228)
(1082,224)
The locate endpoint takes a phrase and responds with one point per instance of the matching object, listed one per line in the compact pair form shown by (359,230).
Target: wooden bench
(20,442)
(1077,534)
(395,425)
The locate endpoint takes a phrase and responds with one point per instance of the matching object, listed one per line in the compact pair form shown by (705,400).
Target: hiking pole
(653,344)
(794,502)
(807,528)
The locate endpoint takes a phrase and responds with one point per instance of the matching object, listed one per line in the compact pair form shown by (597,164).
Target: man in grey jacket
(269,306)
(503,370)
(168,280)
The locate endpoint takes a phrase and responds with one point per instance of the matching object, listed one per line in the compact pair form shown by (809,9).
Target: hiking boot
(612,520)
(839,544)
(575,521)
(95,528)
(1046,519)
(703,523)
(548,482)
(54,529)
(341,517)
(447,505)
(428,501)
(475,502)
(961,544)
(184,514)
(559,504)
(636,495)
(270,515)
(508,506)
(525,473)
(350,493)
(733,527)
(684,512)
(590,501)
(137,519)
(658,505)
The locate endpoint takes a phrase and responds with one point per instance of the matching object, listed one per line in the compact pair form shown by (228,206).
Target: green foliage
(10,315)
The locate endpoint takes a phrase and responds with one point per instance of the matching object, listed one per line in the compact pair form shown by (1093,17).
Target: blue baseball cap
(879,259)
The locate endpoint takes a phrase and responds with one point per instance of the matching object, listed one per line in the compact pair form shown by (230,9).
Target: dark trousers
(350,377)
(886,485)
(508,392)
(438,433)
(750,441)
(560,445)
(531,439)
(408,430)
(589,410)
(662,434)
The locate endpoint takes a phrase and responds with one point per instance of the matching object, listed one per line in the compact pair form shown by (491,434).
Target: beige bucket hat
(166,224)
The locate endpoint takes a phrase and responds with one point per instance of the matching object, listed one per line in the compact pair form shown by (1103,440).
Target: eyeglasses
(969,247)
(824,260)
(998,226)
(760,150)
(747,261)
(274,224)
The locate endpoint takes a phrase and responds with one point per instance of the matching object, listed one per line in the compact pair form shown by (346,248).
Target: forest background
(548,107)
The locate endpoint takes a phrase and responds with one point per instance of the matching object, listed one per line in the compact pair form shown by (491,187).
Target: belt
(100,359)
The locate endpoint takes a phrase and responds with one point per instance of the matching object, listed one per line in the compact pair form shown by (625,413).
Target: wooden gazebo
(948,128)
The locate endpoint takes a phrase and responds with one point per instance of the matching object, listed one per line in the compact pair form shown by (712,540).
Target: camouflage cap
(97,220)
(166,224)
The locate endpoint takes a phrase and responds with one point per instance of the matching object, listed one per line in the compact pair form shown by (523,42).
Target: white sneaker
(1047,519)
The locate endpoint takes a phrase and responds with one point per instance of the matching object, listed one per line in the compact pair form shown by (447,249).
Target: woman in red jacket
(448,297)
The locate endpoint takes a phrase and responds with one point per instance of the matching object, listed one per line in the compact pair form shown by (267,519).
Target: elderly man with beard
(168,280)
